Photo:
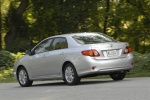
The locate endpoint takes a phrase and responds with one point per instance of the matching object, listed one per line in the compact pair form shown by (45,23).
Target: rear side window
(92,39)
(59,43)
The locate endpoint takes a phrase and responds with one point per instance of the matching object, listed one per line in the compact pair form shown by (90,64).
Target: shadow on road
(50,84)
(89,82)
(83,82)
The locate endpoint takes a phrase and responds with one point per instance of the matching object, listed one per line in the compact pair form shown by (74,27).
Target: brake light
(92,53)
(127,50)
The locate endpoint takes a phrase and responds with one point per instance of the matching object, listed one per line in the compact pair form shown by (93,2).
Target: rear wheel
(70,75)
(23,77)
(118,75)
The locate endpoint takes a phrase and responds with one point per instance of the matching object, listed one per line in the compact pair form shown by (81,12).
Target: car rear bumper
(90,65)
(104,72)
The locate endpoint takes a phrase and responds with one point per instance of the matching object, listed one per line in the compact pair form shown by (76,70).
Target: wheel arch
(65,63)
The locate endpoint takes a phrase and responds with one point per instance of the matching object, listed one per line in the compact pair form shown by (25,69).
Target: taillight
(92,53)
(127,50)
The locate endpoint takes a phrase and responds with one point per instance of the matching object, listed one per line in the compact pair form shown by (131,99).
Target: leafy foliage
(19,44)
(6,60)
(18,55)
(6,69)
(142,62)
(127,20)
(4,74)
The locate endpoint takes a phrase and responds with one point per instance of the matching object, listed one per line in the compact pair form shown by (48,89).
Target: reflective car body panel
(50,55)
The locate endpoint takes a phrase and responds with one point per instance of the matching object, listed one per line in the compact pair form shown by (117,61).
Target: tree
(144,11)
(125,20)
(16,17)
(0,27)
(106,16)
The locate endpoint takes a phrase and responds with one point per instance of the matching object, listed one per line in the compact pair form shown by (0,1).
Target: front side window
(92,38)
(59,43)
(43,46)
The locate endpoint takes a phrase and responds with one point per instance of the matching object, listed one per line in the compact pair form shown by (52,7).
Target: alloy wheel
(22,77)
(69,74)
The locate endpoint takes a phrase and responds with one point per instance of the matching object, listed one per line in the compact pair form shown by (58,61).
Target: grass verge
(6,76)
(7,80)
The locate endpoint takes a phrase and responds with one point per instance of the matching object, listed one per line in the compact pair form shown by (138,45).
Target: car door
(56,57)
(37,62)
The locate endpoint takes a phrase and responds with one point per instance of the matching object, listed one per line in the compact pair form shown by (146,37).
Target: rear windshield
(92,38)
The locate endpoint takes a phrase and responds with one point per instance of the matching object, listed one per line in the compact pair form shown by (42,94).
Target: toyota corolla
(71,57)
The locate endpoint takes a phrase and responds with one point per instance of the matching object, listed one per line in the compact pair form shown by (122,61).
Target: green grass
(138,74)
(7,80)
(6,76)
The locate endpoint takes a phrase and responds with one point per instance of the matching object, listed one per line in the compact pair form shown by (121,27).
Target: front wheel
(23,77)
(70,75)
(118,75)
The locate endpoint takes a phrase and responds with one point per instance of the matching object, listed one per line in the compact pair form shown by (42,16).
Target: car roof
(71,34)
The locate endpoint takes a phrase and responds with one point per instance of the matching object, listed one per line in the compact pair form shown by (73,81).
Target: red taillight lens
(127,50)
(92,53)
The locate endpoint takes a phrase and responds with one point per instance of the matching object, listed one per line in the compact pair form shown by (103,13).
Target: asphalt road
(88,89)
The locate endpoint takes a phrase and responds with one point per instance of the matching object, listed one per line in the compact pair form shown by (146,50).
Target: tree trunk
(106,16)
(0,27)
(11,34)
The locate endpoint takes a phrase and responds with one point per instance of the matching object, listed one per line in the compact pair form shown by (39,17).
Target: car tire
(23,77)
(118,75)
(70,75)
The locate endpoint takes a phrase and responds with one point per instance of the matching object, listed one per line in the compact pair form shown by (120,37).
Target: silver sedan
(71,57)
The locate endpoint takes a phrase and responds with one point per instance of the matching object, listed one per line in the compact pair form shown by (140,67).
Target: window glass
(59,43)
(92,39)
(43,46)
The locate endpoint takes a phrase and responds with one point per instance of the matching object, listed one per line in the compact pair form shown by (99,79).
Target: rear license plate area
(112,53)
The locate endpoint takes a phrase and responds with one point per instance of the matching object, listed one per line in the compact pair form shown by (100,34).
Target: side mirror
(28,52)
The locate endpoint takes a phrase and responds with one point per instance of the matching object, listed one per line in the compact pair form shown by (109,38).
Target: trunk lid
(110,50)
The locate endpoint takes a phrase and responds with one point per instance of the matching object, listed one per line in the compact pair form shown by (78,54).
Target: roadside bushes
(142,62)
(6,74)
(6,60)
(18,55)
